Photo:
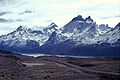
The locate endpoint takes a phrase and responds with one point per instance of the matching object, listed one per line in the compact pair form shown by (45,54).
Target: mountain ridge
(75,38)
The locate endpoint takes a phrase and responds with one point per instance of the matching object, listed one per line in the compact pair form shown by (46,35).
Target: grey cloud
(6,2)
(19,20)
(48,21)
(110,17)
(2,20)
(25,12)
(3,13)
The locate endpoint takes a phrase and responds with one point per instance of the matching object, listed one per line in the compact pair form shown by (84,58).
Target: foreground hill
(21,67)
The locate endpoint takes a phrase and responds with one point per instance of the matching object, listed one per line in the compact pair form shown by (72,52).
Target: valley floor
(19,67)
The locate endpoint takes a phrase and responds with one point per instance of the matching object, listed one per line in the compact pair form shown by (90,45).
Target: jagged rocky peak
(117,26)
(89,20)
(53,24)
(78,18)
(78,23)
(36,35)
(104,27)
(20,28)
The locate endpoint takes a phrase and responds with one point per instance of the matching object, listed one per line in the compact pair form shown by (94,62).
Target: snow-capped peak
(84,33)
(103,28)
(89,20)
(78,18)
(78,32)
(22,34)
(20,28)
(53,25)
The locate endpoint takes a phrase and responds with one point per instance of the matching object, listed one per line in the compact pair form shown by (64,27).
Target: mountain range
(78,37)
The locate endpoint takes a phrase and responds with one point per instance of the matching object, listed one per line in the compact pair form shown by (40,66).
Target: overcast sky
(14,13)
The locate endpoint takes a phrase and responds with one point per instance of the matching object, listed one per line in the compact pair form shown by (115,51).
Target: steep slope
(102,28)
(82,37)
(78,30)
(78,37)
(107,44)
(24,38)
(111,37)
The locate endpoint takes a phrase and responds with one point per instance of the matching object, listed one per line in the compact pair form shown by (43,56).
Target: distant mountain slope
(78,37)
(83,37)
(23,38)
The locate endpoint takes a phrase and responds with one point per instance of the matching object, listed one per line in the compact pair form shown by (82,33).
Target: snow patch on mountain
(79,34)
(85,32)
(22,34)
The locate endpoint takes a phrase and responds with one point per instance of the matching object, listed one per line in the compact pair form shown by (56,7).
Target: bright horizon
(14,13)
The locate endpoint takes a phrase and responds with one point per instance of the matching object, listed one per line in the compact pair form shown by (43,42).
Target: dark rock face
(118,26)
(68,48)
(78,18)
(88,29)
(89,19)
(32,44)
(77,22)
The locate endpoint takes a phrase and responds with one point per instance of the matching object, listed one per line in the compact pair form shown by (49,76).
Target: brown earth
(12,67)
